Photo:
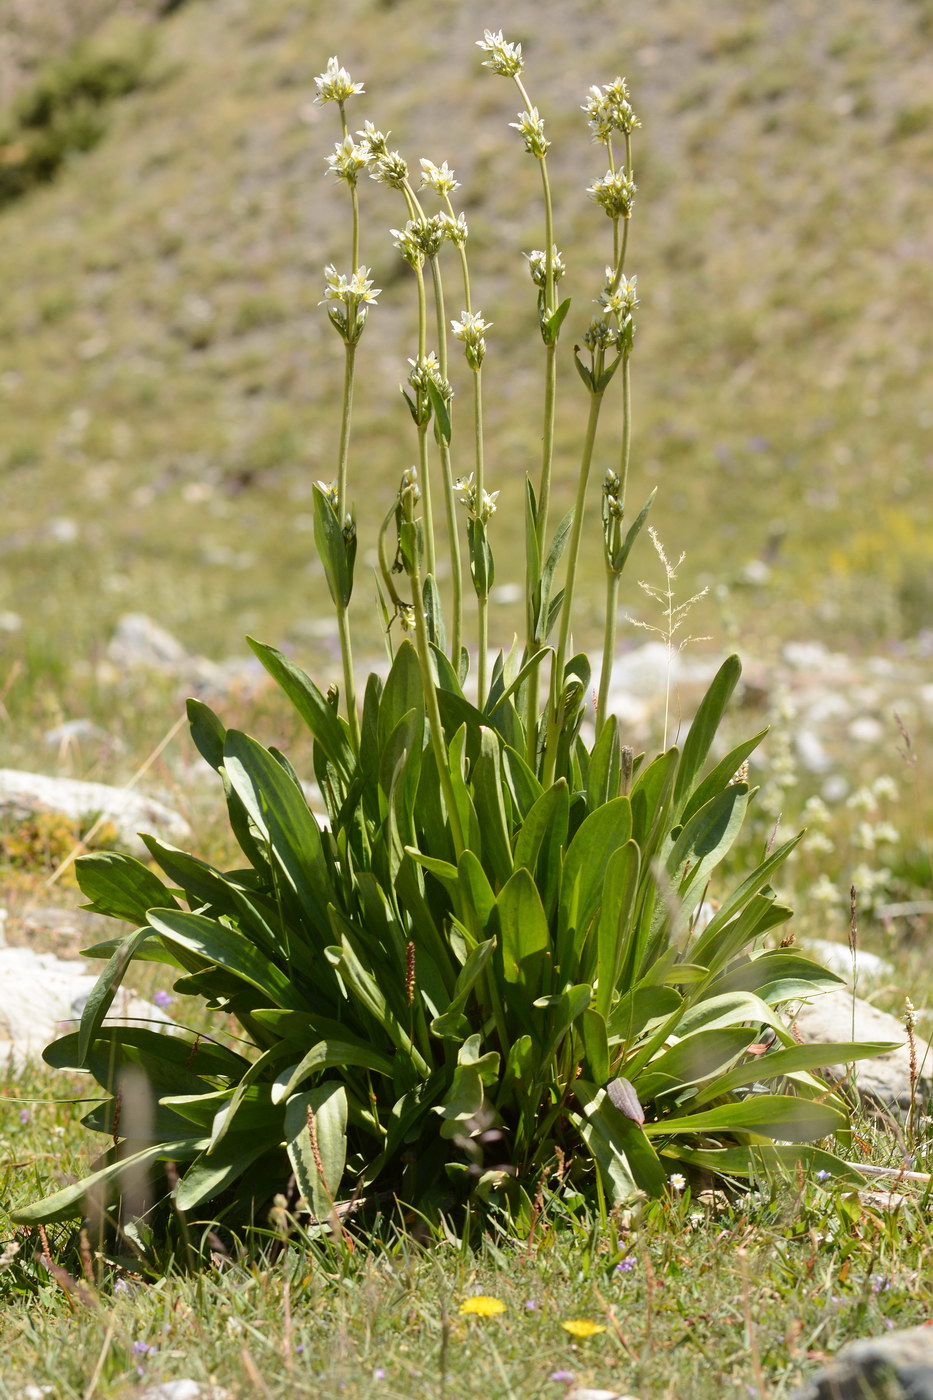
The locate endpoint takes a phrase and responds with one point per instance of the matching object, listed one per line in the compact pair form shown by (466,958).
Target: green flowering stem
(343,451)
(423,463)
(560,659)
(626,425)
(450,503)
(349,685)
(482,592)
(428,686)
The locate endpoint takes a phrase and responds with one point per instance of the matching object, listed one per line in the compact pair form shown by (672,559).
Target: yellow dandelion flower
(582,1327)
(482,1306)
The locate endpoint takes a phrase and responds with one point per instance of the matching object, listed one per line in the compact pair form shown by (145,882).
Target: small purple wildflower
(379,1374)
(530,1305)
(565,1376)
(299,1348)
(879,1284)
(143,1348)
(24,1115)
(162,998)
(625,1267)
(823,1175)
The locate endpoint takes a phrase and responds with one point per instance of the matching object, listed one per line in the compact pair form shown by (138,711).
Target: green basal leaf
(791,1059)
(328,729)
(119,885)
(106,987)
(619,1145)
(705,727)
(68,1203)
(707,837)
(230,951)
(764,1160)
(215,1170)
(316,1138)
(781,1116)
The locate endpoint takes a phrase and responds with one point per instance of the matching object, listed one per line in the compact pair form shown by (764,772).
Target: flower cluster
(471,329)
(348,159)
(504,58)
(537,266)
(477,509)
(353,296)
(599,335)
(531,126)
(619,295)
(608,109)
(335,84)
(615,192)
(438,177)
(455,228)
(420,239)
(376,142)
(390,169)
(612,499)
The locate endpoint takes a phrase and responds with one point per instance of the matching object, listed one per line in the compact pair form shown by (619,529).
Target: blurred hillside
(168,383)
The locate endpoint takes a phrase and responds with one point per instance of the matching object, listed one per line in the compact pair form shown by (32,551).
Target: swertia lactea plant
(489,958)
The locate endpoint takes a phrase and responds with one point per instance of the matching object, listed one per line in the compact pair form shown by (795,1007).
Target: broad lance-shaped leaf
(780,1116)
(217,1169)
(705,727)
(106,987)
(316,1136)
(119,885)
(312,706)
(325,1055)
(626,1159)
(791,1059)
(599,835)
(707,837)
(69,1202)
(623,1097)
(766,1159)
(230,951)
(278,808)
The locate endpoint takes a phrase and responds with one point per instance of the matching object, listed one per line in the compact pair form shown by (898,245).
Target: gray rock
(73,731)
(898,1366)
(42,996)
(139,643)
(23,795)
(886,1078)
(838,958)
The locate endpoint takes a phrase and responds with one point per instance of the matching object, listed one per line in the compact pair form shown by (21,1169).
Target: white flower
(615,192)
(537,265)
(348,160)
(504,58)
(438,177)
(608,109)
(531,126)
(678,1182)
(335,84)
(620,297)
(471,329)
(455,229)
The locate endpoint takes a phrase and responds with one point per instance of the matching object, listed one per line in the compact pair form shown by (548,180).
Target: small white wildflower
(819,844)
(335,84)
(376,142)
(356,293)
(329,489)
(463,488)
(348,160)
(678,1183)
(886,834)
(471,329)
(537,265)
(816,812)
(390,169)
(864,836)
(863,798)
(885,789)
(620,297)
(615,193)
(455,228)
(504,58)
(531,126)
(438,177)
(823,891)
(608,109)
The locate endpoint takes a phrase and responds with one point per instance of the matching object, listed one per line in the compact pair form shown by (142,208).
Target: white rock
(25,794)
(885,1078)
(183,1390)
(73,731)
(139,641)
(838,958)
(42,997)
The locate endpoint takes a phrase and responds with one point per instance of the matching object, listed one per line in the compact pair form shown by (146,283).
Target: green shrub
(511,941)
(64,111)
